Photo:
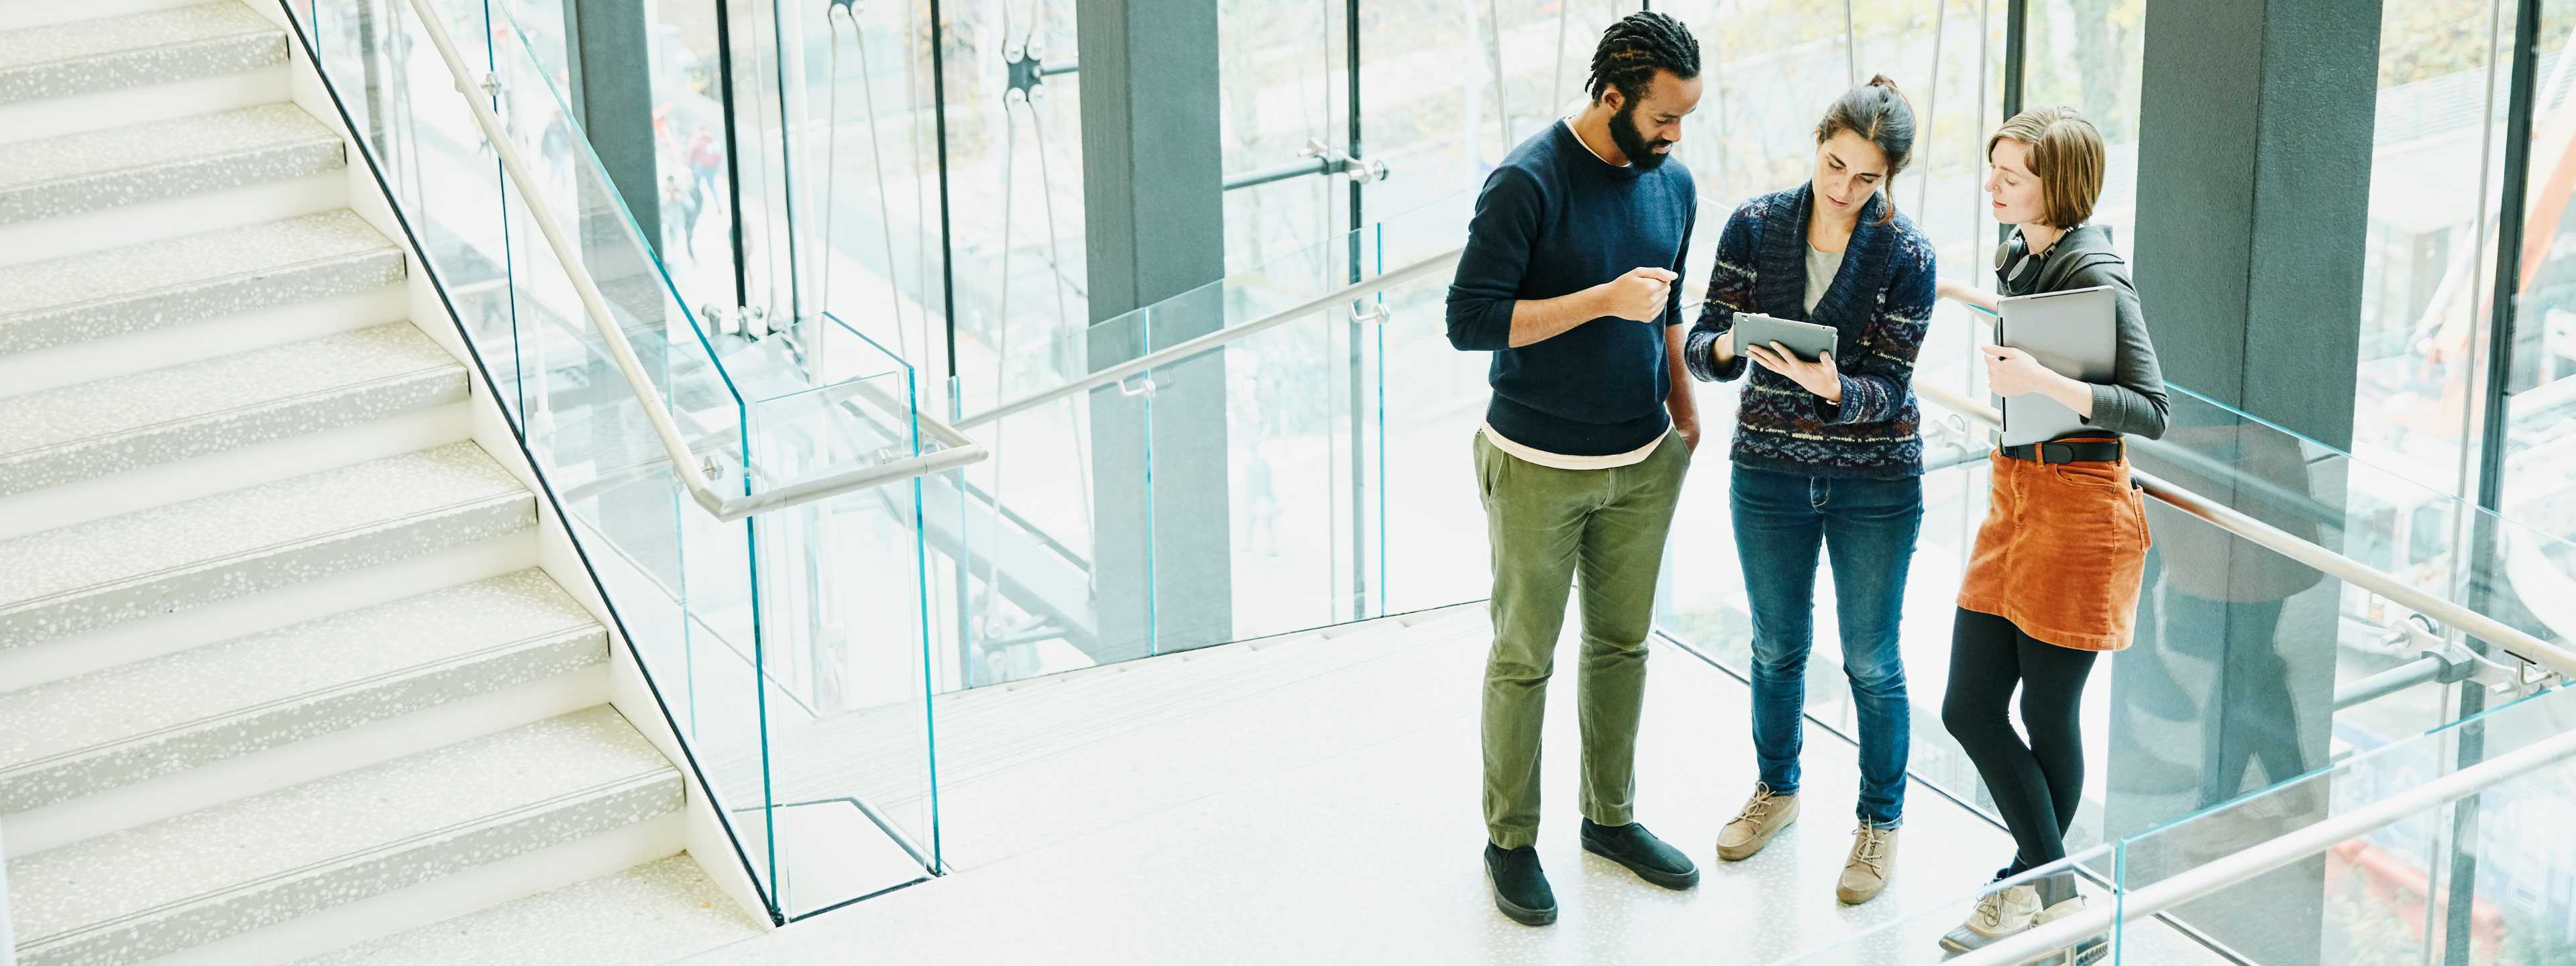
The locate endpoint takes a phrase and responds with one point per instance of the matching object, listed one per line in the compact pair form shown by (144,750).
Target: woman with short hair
(2053,581)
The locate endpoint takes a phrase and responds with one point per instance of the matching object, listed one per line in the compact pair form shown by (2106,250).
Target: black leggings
(2036,785)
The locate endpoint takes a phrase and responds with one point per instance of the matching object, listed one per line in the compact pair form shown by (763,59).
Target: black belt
(2088,452)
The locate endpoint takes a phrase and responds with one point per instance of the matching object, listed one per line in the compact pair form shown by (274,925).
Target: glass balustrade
(753,633)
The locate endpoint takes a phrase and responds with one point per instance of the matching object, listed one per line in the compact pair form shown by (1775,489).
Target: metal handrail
(2528,648)
(1213,340)
(2521,644)
(2365,576)
(958,450)
(2207,878)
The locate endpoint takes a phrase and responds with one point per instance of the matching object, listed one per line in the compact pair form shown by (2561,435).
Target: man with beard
(1568,279)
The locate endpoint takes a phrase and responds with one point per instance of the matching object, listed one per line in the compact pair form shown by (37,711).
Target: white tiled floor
(1371,853)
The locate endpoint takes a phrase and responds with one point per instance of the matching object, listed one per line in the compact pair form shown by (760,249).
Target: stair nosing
(270,549)
(182,424)
(559,635)
(631,783)
(192,43)
(99,174)
(21,321)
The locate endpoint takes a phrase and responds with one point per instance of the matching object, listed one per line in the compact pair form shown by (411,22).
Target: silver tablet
(1805,339)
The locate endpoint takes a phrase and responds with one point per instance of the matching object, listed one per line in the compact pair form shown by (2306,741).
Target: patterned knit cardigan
(1881,301)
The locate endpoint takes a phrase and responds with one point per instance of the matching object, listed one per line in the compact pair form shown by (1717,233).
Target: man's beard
(1632,142)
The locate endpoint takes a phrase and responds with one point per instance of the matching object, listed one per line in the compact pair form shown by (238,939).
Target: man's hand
(1820,377)
(1964,294)
(1689,428)
(1642,295)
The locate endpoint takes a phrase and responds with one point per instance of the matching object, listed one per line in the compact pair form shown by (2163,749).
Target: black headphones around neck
(2014,264)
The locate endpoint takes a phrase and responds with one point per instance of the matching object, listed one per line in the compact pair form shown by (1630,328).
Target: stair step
(38,13)
(94,170)
(158,47)
(164,559)
(72,738)
(185,881)
(163,283)
(657,912)
(99,428)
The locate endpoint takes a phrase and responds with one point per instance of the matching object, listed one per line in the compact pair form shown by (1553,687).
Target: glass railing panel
(2246,668)
(1039,535)
(2516,566)
(675,349)
(748,630)
(585,422)
(796,435)
(1433,403)
(1271,443)
(2471,881)
(2390,896)
(842,621)
(400,101)
(1300,458)
(1282,278)
(1262,454)
(423,142)
(823,599)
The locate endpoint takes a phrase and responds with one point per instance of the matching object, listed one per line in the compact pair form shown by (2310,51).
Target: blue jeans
(1869,526)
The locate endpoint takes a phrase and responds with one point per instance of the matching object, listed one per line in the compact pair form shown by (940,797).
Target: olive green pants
(1548,527)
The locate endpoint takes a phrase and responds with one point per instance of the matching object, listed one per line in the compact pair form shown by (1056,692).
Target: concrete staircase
(279,674)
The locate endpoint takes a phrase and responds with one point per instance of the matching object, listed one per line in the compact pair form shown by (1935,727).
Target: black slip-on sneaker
(1520,887)
(1644,854)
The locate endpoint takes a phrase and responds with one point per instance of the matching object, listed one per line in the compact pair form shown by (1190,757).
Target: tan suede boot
(1872,863)
(1762,817)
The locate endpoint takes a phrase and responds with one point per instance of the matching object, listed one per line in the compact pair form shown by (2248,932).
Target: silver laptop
(2074,332)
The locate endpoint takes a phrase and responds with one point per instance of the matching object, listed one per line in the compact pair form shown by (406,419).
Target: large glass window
(2091,55)
(2436,166)
(2540,434)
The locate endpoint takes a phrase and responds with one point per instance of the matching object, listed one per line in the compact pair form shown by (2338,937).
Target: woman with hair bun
(1827,457)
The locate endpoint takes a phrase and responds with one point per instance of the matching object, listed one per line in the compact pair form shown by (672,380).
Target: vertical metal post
(733,146)
(1502,95)
(788,63)
(1358,331)
(2486,553)
(1932,103)
(947,239)
(2016,47)
(1851,45)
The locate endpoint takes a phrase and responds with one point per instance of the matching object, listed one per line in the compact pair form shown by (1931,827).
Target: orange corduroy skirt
(2061,552)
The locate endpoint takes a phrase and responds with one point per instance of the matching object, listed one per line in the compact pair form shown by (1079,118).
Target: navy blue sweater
(1553,220)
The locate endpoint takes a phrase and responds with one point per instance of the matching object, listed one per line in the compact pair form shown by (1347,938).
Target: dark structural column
(1155,229)
(612,95)
(2254,173)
